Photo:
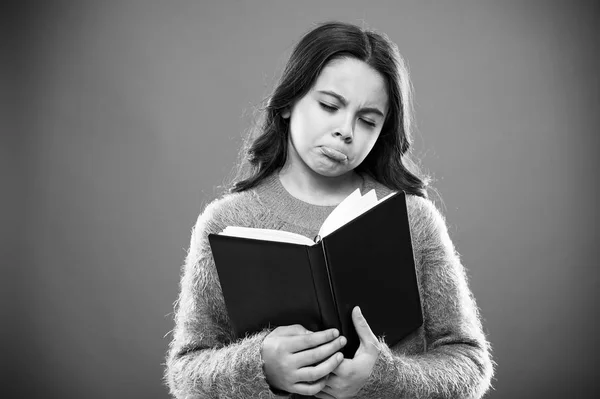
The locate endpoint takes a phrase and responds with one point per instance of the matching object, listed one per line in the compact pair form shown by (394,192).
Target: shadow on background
(126,116)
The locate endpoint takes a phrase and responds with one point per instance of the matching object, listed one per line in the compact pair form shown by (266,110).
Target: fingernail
(343,341)
(359,311)
(340,357)
(335,333)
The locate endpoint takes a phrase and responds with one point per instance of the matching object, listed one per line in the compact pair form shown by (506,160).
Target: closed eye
(328,107)
(331,108)
(367,122)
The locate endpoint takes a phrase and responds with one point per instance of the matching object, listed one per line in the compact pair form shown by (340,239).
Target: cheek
(368,142)
(300,137)
(304,130)
(366,146)
(297,135)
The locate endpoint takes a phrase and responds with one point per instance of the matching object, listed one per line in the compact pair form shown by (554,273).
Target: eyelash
(329,108)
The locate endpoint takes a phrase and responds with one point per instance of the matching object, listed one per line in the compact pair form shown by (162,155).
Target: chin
(332,172)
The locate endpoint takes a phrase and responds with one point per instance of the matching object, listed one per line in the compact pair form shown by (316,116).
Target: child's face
(335,125)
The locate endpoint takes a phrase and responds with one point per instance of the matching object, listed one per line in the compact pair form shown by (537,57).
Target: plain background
(122,118)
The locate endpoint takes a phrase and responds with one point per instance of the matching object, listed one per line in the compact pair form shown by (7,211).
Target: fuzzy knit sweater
(447,357)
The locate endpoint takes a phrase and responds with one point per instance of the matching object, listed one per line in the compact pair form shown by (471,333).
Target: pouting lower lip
(334,154)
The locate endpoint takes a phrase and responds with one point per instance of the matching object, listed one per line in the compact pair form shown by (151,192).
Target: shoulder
(419,208)
(424,217)
(424,210)
(240,209)
(427,223)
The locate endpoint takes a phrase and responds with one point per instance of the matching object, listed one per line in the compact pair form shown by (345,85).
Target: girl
(339,119)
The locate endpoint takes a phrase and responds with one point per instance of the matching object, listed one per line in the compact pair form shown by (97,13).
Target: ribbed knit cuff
(274,391)
(377,385)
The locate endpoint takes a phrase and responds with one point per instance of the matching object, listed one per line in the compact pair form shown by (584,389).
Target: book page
(369,200)
(266,234)
(336,218)
(351,208)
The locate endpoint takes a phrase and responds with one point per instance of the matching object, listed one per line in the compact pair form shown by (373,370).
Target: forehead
(358,82)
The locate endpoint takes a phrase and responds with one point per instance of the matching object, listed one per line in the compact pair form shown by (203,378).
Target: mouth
(334,154)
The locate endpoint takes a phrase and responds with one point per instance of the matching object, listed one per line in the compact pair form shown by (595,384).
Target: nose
(346,130)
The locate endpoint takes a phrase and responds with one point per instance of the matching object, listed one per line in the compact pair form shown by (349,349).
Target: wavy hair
(266,147)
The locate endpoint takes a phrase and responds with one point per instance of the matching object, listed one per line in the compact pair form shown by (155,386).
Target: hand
(298,361)
(352,374)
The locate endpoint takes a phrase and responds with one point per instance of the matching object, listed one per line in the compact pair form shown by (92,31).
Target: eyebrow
(345,102)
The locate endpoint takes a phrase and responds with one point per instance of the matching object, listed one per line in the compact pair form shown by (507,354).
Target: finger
(295,329)
(313,373)
(309,388)
(316,355)
(305,341)
(366,336)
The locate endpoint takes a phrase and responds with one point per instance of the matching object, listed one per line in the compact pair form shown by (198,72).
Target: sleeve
(456,362)
(203,359)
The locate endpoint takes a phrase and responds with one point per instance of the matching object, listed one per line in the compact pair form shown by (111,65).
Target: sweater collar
(291,209)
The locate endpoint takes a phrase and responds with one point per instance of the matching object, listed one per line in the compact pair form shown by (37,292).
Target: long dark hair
(266,147)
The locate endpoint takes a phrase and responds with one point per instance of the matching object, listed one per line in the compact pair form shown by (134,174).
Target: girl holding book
(339,119)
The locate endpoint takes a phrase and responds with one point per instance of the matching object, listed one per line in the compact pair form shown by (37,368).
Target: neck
(317,189)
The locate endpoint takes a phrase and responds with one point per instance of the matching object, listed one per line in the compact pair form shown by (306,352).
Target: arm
(203,360)
(456,362)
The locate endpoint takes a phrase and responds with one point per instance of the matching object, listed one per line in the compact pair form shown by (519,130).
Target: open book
(350,208)
(362,256)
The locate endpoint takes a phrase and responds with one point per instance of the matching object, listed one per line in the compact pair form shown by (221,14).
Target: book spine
(343,310)
(323,288)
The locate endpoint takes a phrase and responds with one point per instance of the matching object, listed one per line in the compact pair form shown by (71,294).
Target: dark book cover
(368,262)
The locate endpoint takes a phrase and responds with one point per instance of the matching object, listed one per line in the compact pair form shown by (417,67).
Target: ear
(286,113)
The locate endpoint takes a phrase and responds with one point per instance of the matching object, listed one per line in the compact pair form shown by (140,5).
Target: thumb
(367,339)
